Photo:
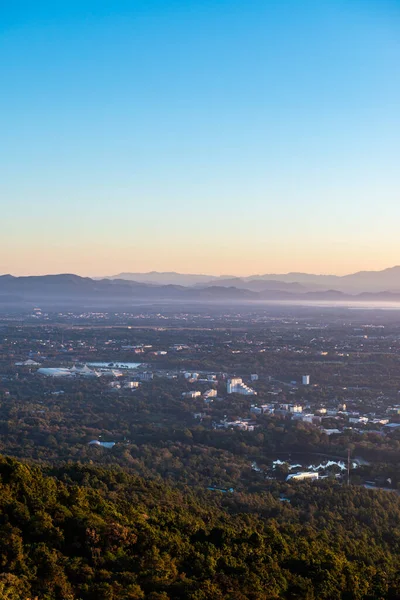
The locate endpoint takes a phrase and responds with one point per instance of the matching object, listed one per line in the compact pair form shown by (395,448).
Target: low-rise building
(192,394)
(27,363)
(306,418)
(199,415)
(146,376)
(302,476)
(239,424)
(331,431)
(131,385)
(102,444)
(211,393)
(358,420)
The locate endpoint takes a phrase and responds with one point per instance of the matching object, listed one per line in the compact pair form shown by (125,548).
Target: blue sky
(222,137)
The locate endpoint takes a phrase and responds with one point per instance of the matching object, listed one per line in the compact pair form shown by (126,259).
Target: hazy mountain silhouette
(165,278)
(362,281)
(68,289)
(262,285)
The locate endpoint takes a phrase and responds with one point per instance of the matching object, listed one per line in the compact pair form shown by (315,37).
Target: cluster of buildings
(140,349)
(207,396)
(127,385)
(333,420)
(79,371)
(278,409)
(234,385)
(204,378)
(240,424)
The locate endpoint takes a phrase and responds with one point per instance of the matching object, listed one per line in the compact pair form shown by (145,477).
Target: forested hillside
(86,533)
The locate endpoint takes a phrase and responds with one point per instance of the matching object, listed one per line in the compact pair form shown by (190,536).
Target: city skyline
(224,138)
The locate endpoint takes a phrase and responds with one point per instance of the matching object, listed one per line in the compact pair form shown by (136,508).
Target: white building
(331,412)
(27,363)
(72,372)
(306,380)
(84,371)
(192,376)
(232,384)
(260,410)
(131,385)
(291,408)
(103,444)
(210,394)
(55,372)
(239,424)
(268,408)
(359,420)
(236,386)
(115,385)
(302,476)
(331,431)
(254,377)
(305,418)
(191,394)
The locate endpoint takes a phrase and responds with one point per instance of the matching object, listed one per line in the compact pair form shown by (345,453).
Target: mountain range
(68,289)
(355,283)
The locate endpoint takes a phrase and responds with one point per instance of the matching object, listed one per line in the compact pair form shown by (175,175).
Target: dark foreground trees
(89,534)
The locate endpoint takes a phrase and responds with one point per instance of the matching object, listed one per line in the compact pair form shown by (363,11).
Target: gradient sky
(218,136)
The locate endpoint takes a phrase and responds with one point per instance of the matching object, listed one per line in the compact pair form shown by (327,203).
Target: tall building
(306,380)
(236,386)
(232,383)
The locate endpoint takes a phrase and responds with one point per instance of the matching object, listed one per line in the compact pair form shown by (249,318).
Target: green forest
(80,532)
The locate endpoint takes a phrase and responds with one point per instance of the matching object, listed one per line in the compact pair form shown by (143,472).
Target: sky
(215,136)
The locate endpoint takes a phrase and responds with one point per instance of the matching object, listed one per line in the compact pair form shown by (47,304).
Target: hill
(80,533)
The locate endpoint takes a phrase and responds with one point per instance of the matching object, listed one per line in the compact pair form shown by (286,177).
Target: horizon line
(212,276)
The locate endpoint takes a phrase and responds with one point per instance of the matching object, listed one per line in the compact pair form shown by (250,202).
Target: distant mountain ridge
(355,283)
(69,290)
(165,278)
(361,281)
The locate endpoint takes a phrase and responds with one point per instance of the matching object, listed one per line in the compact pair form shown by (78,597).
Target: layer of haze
(199,136)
